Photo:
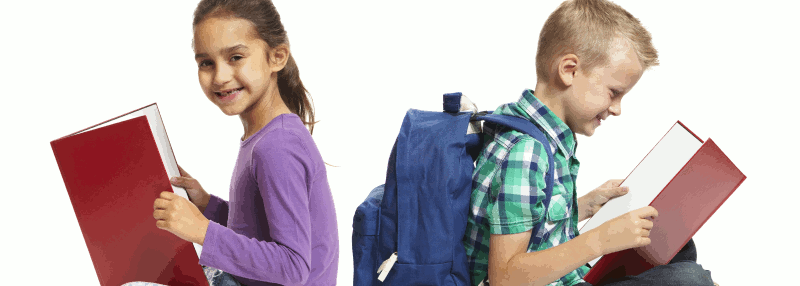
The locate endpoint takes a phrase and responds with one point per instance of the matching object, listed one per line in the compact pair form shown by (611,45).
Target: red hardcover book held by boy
(686,180)
(113,172)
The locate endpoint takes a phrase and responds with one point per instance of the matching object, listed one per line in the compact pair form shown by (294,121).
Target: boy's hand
(180,217)
(626,231)
(197,195)
(590,204)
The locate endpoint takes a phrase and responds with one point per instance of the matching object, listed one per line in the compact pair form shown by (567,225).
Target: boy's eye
(205,63)
(236,58)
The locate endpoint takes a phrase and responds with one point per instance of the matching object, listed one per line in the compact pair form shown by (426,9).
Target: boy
(590,54)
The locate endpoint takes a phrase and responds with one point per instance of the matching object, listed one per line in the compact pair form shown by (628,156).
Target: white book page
(650,177)
(159,134)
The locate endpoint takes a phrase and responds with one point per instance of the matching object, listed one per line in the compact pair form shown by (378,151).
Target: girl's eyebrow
(227,50)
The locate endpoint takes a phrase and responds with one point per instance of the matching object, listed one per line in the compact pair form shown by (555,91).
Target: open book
(685,179)
(113,172)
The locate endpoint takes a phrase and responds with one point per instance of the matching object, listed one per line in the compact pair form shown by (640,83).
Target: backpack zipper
(386,266)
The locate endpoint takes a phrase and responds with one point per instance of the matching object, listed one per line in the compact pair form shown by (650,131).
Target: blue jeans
(681,270)
(214,276)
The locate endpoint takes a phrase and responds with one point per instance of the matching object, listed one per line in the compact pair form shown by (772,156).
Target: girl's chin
(229,110)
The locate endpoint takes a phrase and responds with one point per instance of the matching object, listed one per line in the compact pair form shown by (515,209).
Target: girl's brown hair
(267,21)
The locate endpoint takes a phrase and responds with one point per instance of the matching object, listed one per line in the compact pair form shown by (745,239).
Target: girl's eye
(236,58)
(205,63)
(615,93)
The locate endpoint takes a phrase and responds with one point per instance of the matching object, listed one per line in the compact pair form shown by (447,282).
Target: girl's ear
(278,56)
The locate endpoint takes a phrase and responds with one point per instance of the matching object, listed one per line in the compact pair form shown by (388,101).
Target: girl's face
(233,66)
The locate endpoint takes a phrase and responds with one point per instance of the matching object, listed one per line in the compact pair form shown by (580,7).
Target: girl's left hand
(590,204)
(180,217)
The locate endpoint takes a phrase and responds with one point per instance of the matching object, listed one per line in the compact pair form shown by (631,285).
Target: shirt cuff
(211,208)
(210,244)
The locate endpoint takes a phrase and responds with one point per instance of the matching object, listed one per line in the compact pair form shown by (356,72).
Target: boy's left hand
(180,217)
(589,204)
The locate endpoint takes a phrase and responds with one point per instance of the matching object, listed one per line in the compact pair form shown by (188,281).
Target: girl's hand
(626,231)
(197,195)
(180,217)
(590,204)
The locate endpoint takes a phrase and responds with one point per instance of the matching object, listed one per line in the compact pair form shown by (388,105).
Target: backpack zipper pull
(386,266)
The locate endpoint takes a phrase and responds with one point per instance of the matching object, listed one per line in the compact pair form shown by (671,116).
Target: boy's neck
(551,98)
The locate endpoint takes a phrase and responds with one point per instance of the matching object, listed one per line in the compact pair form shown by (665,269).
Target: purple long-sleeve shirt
(280,224)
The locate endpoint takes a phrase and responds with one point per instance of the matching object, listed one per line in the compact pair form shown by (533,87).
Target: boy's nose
(615,109)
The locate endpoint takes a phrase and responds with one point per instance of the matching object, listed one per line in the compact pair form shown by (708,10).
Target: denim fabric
(681,270)
(214,276)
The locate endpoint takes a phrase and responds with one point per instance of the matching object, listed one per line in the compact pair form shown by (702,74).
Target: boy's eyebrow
(227,50)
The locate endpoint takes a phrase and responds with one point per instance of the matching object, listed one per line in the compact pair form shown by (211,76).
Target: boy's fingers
(646,212)
(615,182)
(647,224)
(617,191)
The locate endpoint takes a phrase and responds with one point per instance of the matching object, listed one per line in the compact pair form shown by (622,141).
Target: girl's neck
(262,112)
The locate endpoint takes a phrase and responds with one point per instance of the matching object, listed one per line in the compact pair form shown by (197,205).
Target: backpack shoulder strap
(525,126)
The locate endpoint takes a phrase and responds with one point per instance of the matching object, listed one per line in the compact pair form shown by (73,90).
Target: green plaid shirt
(508,188)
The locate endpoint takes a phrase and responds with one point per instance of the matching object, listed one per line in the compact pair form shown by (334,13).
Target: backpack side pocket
(365,239)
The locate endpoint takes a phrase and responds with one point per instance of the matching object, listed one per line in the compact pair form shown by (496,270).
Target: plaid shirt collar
(530,108)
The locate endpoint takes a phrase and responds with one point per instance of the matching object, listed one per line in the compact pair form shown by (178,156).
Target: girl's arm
(282,169)
(217,210)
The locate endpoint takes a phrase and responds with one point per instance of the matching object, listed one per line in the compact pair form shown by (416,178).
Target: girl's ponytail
(294,94)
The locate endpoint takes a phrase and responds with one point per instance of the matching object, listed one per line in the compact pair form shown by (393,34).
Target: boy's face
(593,97)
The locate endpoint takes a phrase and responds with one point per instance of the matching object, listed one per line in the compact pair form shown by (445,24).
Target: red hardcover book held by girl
(113,172)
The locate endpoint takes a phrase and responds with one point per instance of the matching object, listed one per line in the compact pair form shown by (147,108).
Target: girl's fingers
(159,214)
(167,195)
(160,204)
(183,172)
(184,182)
(161,224)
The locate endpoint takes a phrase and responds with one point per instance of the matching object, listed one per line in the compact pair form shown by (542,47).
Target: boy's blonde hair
(587,28)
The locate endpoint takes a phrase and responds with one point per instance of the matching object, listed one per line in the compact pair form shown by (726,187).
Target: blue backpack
(409,230)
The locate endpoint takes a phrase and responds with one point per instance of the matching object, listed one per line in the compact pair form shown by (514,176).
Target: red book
(686,180)
(113,172)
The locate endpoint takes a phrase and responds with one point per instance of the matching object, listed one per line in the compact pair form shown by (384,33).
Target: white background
(729,72)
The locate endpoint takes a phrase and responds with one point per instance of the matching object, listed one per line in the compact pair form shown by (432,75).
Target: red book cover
(689,199)
(113,174)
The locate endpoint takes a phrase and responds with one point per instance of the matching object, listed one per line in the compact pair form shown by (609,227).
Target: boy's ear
(278,56)
(567,68)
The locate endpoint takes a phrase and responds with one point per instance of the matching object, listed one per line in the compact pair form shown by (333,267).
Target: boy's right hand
(629,230)
(197,195)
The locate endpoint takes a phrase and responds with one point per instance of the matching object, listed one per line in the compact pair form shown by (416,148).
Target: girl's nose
(222,75)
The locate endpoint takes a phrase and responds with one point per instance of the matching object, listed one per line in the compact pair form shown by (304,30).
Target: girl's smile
(229,95)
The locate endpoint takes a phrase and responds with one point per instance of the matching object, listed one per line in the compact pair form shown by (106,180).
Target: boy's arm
(509,264)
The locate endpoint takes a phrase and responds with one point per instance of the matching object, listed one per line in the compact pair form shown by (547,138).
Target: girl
(280,224)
